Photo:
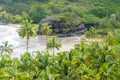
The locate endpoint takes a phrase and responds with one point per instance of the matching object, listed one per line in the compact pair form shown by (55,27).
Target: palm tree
(27,30)
(91,33)
(53,43)
(110,39)
(6,48)
(46,31)
(12,73)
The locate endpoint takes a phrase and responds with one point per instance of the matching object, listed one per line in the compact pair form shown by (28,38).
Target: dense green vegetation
(87,61)
(88,11)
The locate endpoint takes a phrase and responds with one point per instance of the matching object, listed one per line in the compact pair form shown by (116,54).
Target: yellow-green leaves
(46,29)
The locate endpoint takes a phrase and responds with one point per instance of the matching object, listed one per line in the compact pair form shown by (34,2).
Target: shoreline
(38,43)
(9,33)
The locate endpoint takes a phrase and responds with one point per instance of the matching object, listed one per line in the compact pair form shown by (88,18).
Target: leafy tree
(46,31)
(25,15)
(111,22)
(53,44)
(12,73)
(110,38)
(100,11)
(27,30)
(117,35)
(87,61)
(5,16)
(37,12)
(17,19)
(91,33)
(6,48)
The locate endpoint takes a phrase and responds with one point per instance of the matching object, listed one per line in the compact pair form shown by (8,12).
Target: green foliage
(86,61)
(101,11)
(6,48)
(53,44)
(46,29)
(37,12)
(27,30)
(112,23)
(93,61)
(112,38)
(7,17)
(91,33)
(88,11)
(17,19)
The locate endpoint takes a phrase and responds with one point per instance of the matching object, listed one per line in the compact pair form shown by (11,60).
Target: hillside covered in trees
(87,11)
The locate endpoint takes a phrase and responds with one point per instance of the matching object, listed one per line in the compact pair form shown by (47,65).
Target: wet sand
(9,33)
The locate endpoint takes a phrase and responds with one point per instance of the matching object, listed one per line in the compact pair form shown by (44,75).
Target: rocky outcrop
(62,28)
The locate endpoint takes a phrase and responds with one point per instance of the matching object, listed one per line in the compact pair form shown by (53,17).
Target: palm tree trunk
(46,44)
(27,42)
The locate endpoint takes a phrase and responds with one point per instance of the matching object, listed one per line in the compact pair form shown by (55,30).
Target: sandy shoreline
(9,33)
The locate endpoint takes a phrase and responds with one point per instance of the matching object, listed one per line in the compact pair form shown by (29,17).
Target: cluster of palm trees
(87,61)
(29,30)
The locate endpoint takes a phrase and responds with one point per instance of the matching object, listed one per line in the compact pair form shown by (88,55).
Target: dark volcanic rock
(63,28)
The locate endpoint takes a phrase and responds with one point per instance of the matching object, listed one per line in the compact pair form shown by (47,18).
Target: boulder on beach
(63,26)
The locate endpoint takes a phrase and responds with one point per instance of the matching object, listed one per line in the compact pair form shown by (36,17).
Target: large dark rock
(63,28)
